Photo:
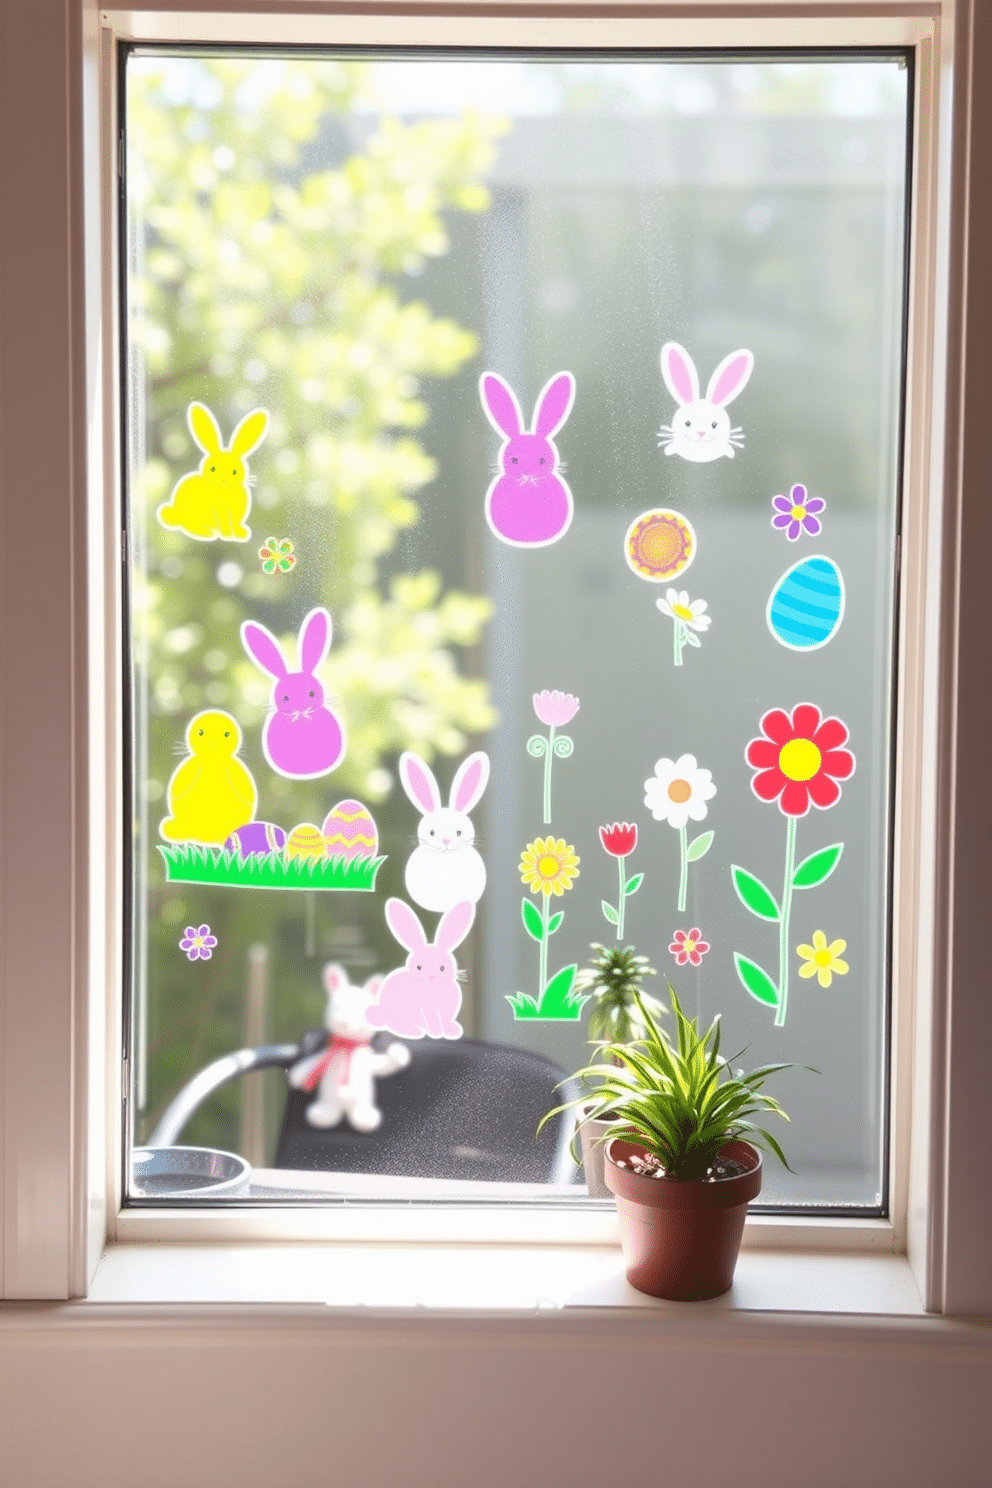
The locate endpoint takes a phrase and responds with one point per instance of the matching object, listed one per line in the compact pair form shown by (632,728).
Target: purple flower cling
(798,512)
(198,943)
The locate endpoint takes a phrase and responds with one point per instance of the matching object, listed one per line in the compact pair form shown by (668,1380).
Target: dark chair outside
(461,1109)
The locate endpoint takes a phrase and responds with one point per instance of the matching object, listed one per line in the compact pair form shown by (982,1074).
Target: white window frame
(60,777)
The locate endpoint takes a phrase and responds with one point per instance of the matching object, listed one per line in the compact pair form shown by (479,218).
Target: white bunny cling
(346,1069)
(445,867)
(700,430)
(301,737)
(423,997)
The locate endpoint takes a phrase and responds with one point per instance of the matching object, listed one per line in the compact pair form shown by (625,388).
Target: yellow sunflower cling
(548,865)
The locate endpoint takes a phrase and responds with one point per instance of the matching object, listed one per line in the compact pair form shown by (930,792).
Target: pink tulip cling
(554,709)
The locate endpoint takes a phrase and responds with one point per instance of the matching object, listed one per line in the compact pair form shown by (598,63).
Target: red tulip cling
(619,840)
(798,761)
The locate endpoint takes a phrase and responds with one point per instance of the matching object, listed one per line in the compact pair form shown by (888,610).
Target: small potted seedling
(685,1164)
(613,977)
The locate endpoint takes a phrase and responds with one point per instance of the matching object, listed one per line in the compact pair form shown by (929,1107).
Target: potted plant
(613,978)
(685,1164)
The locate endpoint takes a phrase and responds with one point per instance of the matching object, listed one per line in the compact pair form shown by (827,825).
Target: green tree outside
(261,275)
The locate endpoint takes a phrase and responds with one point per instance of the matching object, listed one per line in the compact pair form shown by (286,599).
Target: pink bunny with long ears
(423,997)
(529,504)
(700,430)
(301,737)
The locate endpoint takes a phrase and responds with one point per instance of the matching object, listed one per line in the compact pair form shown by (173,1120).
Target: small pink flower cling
(528,505)
(423,997)
(688,946)
(301,738)
(798,761)
(554,709)
(619,841)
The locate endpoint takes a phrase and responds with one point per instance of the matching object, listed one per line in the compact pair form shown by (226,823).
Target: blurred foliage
(274,233)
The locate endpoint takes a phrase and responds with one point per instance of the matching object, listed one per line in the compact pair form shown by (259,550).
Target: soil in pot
(681,1237)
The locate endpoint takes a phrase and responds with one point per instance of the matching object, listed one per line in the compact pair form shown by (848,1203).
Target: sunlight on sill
(478,1278)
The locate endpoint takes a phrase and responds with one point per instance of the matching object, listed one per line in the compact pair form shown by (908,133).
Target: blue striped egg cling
(807,604)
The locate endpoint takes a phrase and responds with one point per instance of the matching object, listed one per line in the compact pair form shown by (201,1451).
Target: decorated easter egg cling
(305,841)
(256,837)
(350,832)
(807,604)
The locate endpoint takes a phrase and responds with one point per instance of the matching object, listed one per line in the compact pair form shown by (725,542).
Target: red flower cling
(620,839)
(799,759)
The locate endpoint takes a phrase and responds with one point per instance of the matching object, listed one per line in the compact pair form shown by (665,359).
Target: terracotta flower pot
(681,1237)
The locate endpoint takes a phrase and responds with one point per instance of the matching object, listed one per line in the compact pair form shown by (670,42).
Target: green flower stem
(783,933)
(543,973)
(547,782)
(684,870)
(678,642)
(622,866)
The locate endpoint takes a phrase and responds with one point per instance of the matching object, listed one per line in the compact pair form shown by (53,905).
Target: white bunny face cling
(301,737)
(445,867)
(529,504)
(700,430)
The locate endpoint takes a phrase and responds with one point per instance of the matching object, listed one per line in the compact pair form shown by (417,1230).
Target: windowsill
(486,1279)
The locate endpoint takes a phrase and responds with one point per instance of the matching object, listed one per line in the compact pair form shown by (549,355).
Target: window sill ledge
(477,1279)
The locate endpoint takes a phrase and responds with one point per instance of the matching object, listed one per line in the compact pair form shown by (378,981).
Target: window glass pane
(684,276)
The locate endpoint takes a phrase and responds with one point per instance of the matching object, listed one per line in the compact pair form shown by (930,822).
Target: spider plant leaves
(754,895)
(678,1098)
(817,868)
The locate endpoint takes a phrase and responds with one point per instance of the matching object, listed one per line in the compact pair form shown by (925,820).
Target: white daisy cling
(687,616)
(677,793)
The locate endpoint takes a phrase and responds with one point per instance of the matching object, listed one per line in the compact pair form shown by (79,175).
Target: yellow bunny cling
(214,502)
(211,793)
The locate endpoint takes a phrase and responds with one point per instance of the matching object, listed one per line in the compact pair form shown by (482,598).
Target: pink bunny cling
(700,430)
(301,737)
(346,1069)
(445,866)
(423,997)
(529,504)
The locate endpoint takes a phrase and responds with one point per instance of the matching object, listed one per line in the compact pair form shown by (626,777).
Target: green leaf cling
(633,884)
(610,912)
(817,867)
(699,847)
(756,981)
(554,922)
(752,892)
(532,920)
